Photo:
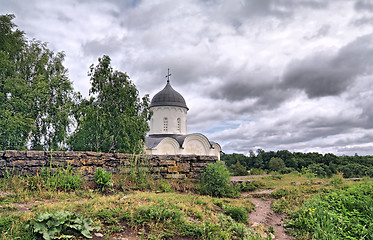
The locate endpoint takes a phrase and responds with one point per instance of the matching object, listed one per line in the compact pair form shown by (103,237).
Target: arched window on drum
(165,124)
(179,124)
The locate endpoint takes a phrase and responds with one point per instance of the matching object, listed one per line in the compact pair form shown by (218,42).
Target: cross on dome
(168,76)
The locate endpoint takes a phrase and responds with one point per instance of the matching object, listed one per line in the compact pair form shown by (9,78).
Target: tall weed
(341,214)
(65,179)
(103,179)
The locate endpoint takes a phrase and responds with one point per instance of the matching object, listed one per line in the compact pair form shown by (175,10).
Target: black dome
(168,97)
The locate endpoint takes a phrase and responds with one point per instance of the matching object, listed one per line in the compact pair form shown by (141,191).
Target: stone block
(196,169)
(60,162)
(183,167)
(15,154)
(36,163)
(107,156)
(17,163)
(122,155)
(55,154)
(74,162)
(199,164)
(93,154)
(172,169)
(2,163)
(72,154)
(167,163)
(188,158)
(124,163)
(153,164)
(175,176)
(34,155)
(160,169)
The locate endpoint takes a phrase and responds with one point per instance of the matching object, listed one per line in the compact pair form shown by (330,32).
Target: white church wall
(196,144)
(172,114)
(168,146)
(215,151)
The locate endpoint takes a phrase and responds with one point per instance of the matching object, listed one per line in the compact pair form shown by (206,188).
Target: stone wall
(167,166)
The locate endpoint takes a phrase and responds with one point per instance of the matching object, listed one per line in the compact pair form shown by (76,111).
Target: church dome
(168,97)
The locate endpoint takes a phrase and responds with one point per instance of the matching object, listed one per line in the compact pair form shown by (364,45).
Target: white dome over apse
(169,112)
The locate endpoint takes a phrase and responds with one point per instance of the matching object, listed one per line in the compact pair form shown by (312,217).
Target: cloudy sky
(270,74)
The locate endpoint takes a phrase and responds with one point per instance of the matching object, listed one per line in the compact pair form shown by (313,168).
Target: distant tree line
(285,161)
(39,109)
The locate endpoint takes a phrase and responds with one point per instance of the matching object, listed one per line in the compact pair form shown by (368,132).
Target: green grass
(165,209)
(345,213)
(171,209)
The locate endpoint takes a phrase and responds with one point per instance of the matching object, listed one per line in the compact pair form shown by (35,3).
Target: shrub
(103,179)
(215,181)
(257,171)
(248,186)
(237,213)
(286,170)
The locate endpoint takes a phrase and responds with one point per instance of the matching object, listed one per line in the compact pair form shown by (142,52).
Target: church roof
(168,97)
(153,140)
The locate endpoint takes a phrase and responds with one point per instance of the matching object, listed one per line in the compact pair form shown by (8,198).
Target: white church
(168,128)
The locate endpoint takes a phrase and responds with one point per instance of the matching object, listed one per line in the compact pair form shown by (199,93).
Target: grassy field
(147,208)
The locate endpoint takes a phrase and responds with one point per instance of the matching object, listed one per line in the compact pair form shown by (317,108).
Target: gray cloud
(265,8)
(364,5)
(323,31)
(330,75)
(363,21)
(98,48)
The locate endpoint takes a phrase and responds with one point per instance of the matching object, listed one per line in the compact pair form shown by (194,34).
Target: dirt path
(264,215)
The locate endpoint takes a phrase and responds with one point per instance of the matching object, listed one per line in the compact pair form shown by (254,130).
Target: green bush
(257,171)
(239,214)
(215,181)
(287,170)
(49,226)
(247,186)
(103,179)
